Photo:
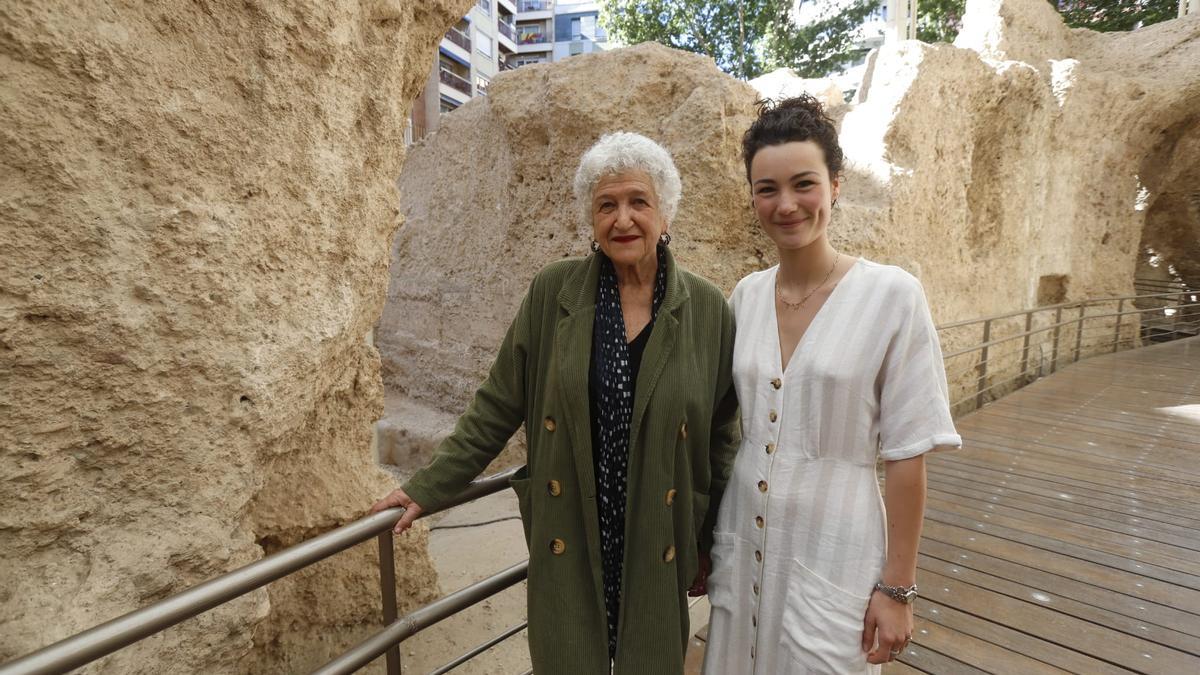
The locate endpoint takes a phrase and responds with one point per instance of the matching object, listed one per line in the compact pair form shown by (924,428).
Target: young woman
(836,363)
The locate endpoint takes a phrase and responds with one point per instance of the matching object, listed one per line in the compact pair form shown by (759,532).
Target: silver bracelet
(901,594)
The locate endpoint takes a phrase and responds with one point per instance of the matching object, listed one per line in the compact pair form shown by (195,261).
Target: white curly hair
(624,151)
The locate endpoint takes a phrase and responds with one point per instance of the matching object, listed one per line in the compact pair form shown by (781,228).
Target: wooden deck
(1065,536)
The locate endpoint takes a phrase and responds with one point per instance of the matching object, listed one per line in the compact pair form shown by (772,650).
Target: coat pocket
(520,485)
(823,624)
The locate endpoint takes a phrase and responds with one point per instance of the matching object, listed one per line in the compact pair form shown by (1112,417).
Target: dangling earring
(665,239)
(595,246)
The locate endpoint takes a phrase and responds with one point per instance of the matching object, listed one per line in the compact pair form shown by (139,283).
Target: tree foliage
(1110,15)
(821,47)
(730,32)
(939,20)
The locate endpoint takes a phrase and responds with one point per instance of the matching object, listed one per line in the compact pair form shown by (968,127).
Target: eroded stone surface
(197,204)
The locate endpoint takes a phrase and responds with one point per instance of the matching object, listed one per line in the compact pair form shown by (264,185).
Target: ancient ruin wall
(1002,170)
(196,206)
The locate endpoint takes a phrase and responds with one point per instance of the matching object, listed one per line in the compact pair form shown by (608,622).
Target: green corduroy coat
(683,437)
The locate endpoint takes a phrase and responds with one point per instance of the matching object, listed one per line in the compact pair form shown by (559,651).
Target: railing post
(1117,330)
(1025,345)
(983,363)
(1079,331)
(387,589)
(1054,354)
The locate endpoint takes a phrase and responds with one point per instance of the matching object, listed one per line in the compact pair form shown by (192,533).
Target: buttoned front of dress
(800,538)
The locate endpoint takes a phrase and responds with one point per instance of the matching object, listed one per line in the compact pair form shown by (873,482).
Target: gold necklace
(797,305)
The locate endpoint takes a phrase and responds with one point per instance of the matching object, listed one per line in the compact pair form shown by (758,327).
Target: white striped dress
(801,535)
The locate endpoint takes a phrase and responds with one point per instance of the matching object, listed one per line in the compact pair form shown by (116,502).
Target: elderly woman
(619,366)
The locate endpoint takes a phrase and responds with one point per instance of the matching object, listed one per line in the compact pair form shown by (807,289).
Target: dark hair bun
(800,118)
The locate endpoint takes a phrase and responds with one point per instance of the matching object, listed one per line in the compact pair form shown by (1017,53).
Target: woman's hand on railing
(398,497)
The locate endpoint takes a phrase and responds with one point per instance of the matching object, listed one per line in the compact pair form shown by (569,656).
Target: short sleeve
(914,406)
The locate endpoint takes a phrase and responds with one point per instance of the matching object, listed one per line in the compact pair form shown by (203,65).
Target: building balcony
(535,5)
(510,5)
(507,37)
(454,81)
(459,38)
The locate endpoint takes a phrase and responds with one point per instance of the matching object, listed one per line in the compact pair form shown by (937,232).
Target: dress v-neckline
(811,324)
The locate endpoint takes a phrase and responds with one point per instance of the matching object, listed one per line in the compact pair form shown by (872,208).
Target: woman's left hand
(888,623)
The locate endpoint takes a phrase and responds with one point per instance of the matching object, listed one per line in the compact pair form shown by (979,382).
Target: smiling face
(626,219)
(792,192)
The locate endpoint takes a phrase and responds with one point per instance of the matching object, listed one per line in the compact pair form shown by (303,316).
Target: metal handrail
(1177,313)
(398,631)
(99,641)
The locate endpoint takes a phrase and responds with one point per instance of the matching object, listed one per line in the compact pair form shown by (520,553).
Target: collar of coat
(578,291)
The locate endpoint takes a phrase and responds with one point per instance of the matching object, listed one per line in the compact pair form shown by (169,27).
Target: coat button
(549,424)
(777,383)
(670,496)
(558,546)
(770,448)
(762,486)
(554,488)
(758,556)
(669,554)
(756,589)
(759,522)
(773,416)
(683,431)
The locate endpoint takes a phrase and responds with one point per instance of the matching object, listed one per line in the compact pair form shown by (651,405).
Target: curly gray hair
(623,151)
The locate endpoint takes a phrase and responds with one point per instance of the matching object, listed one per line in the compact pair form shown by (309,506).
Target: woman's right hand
(395,498)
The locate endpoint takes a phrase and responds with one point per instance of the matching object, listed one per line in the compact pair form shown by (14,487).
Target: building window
(486,6)
(481,85)
(483,43)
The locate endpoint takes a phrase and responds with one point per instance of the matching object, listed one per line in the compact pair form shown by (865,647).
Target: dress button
(683,431)
(670,496)
(549,424)
(773,416)
(770,448)
(554,488)
(762,486)
(669,554)
(558,546)
(777,383)
(758,522)
(758,556)
(756,589)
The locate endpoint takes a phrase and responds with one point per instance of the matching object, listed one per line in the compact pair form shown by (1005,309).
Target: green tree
(939,20)
(821,47)
(730,32)
(1110,15)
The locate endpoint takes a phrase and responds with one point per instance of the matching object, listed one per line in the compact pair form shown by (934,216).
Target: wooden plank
(1051,543)
(1020,642)
(1051,561)
(1131,548)
(1069,501)
(970,649)
(1119,615)
(1184,542)
(1062,629)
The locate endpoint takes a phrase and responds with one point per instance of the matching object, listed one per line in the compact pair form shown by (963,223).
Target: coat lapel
(573,346)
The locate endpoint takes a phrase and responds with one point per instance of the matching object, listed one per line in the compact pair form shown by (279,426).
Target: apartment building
(498,35)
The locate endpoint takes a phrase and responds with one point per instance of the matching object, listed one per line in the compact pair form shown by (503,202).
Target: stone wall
(195,214)
(1002,170)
